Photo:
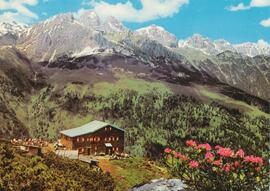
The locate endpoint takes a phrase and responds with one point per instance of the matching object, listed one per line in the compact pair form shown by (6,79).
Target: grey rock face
(162,185)
(249,74)
(110,25)
(8,39)
(65,34)
(10,32)
(215,47)
(58,36)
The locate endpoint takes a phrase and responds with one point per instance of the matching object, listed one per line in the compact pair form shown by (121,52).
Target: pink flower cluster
(254,159)
(217,166)
(168,150)
(240,153)
(224,158)
(225,152)
(181,157)
(226,167)
(193,164)
(205,146)
(217,162)
(191,143)
(209,157)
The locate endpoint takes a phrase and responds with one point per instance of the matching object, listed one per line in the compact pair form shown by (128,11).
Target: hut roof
(87,128)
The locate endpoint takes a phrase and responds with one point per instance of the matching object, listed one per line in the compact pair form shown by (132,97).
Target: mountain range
(90,21)
(245,66)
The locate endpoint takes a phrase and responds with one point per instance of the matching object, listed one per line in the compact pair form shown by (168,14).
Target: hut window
(105,138)
(82,139)
(95,148)
(117,149)
(109,138)
(113,148)
(117,138)
(113,138)
(91,139)
(78,139)
(110,128)
(105,128)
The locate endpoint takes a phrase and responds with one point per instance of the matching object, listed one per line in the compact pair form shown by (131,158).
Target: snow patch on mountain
(13,28)
(92,20)
(254,49)
(158,34)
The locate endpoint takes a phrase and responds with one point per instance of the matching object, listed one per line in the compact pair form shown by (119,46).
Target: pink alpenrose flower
(218,147)
(209,157)
(193,164)
(217,162)
(240,153)
(177,155)
(236,164)
(226,167)
(205,146)
(225,152)
(253,159)
(168,150)
(184,158)
(191,143)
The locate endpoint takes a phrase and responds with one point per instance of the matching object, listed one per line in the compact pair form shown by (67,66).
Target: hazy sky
(233,20)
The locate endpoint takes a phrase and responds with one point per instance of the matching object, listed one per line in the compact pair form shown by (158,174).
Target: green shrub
(204,168)
(18,172)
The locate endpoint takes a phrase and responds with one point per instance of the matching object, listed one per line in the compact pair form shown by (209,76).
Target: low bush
(203,168)
(26,173)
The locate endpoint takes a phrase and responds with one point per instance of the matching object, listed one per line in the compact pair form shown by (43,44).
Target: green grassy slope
(251,110)
(151,114)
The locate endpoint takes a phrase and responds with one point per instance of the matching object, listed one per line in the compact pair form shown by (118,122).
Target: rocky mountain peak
(63,34)
(114,25)
(158,34)
(61,18)
(90,19)
(199,42)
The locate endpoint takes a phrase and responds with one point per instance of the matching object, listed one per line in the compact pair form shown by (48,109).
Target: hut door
(108,150)
(88,151)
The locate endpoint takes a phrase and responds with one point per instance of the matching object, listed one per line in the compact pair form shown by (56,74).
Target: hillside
(15,79)
(22,172)
(155,112)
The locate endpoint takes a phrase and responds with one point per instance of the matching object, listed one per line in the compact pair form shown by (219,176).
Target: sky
(234,20)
